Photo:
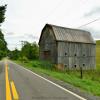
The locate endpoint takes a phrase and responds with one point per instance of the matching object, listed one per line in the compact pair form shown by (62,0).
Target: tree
(15,54)
(2,13)
(30,50)
(3,44)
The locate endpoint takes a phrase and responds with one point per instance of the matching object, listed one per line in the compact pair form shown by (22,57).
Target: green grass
(89,83)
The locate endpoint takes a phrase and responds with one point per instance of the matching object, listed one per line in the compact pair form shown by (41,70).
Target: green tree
(2,13)
(30,50)
(15,54)
(3,44)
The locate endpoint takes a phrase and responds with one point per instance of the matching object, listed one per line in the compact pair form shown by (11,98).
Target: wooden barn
(67,48)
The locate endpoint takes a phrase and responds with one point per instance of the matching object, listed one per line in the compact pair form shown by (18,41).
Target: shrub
(23,59)
(43,64)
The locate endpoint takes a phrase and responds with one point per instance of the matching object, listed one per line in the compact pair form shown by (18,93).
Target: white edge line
(52,83)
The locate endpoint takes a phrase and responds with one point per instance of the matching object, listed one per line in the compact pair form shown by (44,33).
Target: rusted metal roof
(71,35)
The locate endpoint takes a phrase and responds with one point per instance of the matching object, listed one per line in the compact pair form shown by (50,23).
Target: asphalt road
(25,85)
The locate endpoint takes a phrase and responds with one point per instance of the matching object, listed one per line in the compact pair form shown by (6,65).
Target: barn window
(83,64)
(75,66)
(75,54)
(65,66)
(66,54)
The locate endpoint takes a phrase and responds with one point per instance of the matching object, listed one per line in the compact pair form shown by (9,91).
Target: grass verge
(89,83)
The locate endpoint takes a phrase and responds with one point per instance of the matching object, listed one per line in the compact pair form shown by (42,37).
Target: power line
(54,9)
(89,22)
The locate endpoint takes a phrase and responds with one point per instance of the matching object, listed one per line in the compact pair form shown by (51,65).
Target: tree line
(28,51)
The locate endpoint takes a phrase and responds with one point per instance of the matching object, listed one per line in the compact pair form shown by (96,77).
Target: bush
(23,59)
(2,54)
(43,64)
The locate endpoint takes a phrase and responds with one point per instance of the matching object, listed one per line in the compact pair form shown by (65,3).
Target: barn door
(47,55)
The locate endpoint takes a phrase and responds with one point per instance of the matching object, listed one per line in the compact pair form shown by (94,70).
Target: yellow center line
(8,93)
(14,91)
(13,88)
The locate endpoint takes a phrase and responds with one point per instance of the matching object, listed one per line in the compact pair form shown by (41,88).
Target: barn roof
(71,35)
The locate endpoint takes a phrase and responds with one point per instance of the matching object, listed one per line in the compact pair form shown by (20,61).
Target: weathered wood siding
(48,43)
(68,48)
(76,55)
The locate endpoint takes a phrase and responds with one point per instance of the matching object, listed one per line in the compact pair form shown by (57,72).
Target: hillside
(98,53)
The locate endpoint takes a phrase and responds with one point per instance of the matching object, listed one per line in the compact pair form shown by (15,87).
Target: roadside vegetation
(29,51)
(89,83)
(3,43)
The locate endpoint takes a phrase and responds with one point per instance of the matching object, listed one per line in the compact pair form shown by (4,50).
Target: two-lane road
(26,85)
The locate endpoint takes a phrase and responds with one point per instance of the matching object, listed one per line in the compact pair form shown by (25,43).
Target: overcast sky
(26,18)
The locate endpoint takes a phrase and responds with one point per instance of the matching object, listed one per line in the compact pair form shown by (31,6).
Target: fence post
(81,72)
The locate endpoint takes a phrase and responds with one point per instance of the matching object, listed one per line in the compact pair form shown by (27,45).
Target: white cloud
(92,12)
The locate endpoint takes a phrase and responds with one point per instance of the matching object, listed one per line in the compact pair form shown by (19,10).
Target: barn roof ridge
(52,25)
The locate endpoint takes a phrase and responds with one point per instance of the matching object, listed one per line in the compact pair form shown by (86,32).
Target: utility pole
(22,44)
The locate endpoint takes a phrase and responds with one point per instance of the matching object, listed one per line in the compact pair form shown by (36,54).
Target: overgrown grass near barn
(89,83)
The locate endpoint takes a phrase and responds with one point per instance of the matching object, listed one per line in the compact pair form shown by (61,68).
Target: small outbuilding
(67,48)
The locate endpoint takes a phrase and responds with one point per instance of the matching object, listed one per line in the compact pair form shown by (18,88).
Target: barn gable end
(47,43)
